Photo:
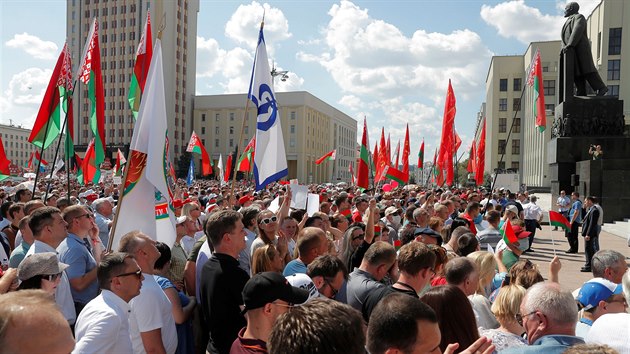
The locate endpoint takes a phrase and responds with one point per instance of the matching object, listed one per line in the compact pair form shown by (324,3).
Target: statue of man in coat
(574,37)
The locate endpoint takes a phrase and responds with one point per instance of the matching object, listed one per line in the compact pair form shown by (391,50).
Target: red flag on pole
(481,155)
(471,159)
(396,154)
(535,80)
(447,143)
(382,158)
(405,156)
(363,168)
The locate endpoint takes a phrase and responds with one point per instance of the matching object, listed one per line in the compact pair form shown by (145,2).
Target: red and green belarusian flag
(347,213)
(4,162)
(141,68)
(558,220)
(329,156)
(90,170)
(91,75)
(195,146)
(396,155)
(34,161)
(535,80)
(57,93)
(395,174)
(508,233)
(421,155)
(245,162)
(363,169)
(120,162)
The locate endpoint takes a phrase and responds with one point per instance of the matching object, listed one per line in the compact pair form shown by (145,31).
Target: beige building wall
(611,48)
(18,149)
(535,169)
(310,128)
(501,94)
(121,24)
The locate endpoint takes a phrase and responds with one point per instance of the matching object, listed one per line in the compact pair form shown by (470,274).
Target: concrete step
(618,228)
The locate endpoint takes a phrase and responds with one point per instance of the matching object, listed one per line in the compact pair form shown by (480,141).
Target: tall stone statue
(574,37)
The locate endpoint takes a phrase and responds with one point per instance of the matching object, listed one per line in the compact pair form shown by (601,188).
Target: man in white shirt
(533,216)
(151,324)
(49,229)
(103,325)
(564,204)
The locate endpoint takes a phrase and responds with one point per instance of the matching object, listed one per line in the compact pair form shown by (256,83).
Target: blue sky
(387,60)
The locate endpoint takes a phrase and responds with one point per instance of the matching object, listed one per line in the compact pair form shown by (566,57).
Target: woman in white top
(487,265)
(506,308)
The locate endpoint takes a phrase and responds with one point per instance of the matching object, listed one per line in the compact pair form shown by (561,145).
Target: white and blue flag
(191,172)
(271,165)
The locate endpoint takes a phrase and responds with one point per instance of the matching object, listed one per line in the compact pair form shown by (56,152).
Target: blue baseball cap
(596,290)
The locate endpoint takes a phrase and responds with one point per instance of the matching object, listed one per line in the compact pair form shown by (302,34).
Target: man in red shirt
(472,211)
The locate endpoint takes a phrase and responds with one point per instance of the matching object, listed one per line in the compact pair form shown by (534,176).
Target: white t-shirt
(152,310)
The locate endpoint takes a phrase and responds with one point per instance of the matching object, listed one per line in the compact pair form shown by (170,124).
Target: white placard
(300,194)
(117,180)
(312,206)
(275,205)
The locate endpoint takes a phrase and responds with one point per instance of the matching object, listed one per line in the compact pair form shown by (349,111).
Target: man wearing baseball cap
(266,296)
(598,297)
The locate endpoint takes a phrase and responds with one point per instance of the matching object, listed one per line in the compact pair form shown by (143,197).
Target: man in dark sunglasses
(103,326)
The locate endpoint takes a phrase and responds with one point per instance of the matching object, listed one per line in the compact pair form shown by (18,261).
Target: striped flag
(4,162)
(421,156)
(329,156)
(558,220)
(508,233)
(141,67)
(535,81)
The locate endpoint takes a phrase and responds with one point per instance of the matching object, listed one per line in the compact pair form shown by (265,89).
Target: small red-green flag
(329,156)
(347,213)
(244,163)
(91,75)
(397,244)
(377,231)
(535,80)
(363,163)
(508,233)
(4,162)
(195,146)
(54,103)
(141,68)
(558,220)
(90,169)
(395,174)
(421,155)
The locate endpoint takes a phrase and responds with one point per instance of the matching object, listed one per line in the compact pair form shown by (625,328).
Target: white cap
(181,220)
(303,281)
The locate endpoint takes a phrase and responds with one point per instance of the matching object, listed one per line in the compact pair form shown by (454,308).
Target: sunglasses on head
(269,220)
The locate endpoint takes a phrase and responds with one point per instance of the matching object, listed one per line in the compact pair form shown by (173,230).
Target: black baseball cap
(267,287)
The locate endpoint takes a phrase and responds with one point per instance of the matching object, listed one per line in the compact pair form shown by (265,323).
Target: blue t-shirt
(294,267)
(576,208)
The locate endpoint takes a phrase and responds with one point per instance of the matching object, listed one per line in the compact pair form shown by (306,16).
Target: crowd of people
(412,270)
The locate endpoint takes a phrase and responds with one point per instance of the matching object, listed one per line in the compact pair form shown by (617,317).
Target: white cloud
(24,93)
(516,19)
(351,101)
(244,25)
(368,56)
(34,46)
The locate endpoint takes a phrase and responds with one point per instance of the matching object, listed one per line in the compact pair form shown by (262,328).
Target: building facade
(19,150)
(610,55)
(310,127)
(121,24)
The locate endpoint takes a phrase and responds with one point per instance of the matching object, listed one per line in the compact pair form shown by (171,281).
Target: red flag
(396,154)
(535,80)
(228,169)
(363,168)
(195,146)
(481,155)
(447,143)
(395,174)
(471,159)
(458,142)
(421,156)
(405,156)
(389,151)
(375,159)
(508,232)
(351,173)
(144,53)
(244,163)
(382,157)
(328,156)
(90,167)
(4,162)
(556,219)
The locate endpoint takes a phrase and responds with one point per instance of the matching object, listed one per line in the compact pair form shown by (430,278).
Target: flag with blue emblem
(272,165)
(191,172)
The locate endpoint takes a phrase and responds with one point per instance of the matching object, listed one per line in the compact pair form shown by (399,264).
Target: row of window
(217,116)
(110,11)
(6,136)
(515,165)
(516,146)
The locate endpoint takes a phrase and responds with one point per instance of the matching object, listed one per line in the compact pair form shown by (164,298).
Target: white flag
(221,176)
(272,165)
(148,190)
(58,165)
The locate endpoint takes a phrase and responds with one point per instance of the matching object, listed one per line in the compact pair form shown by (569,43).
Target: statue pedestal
(589,116)
(580,123)
(606,179)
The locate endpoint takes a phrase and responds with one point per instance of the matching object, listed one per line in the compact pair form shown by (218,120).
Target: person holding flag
(513,243)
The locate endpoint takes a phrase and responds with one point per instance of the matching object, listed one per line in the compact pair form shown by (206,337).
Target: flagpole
(496,174)
(63,126)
